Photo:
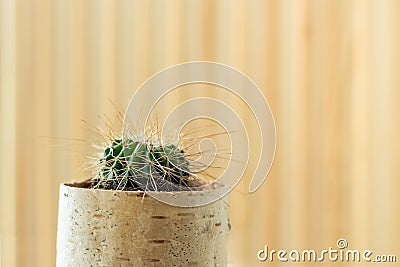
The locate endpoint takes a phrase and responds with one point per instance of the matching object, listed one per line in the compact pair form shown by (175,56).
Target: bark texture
(121,228)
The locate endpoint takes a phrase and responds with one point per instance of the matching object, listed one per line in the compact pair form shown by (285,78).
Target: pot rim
(83,186)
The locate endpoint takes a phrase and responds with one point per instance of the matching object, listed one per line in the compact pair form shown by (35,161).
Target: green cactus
(131,165)
(171,163)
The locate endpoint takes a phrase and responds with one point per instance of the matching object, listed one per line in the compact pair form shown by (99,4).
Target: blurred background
(329,69)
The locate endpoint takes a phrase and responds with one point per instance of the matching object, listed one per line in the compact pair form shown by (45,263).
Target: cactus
(132,165)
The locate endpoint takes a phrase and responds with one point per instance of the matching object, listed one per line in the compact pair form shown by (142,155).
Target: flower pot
(129,228)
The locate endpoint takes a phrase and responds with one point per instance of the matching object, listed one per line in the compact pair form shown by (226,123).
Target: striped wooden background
(329,68)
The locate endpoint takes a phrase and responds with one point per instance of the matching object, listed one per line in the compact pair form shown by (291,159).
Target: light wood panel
(328,68)
(8,128)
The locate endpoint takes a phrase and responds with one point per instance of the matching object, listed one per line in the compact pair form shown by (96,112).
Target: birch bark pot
(129,228)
